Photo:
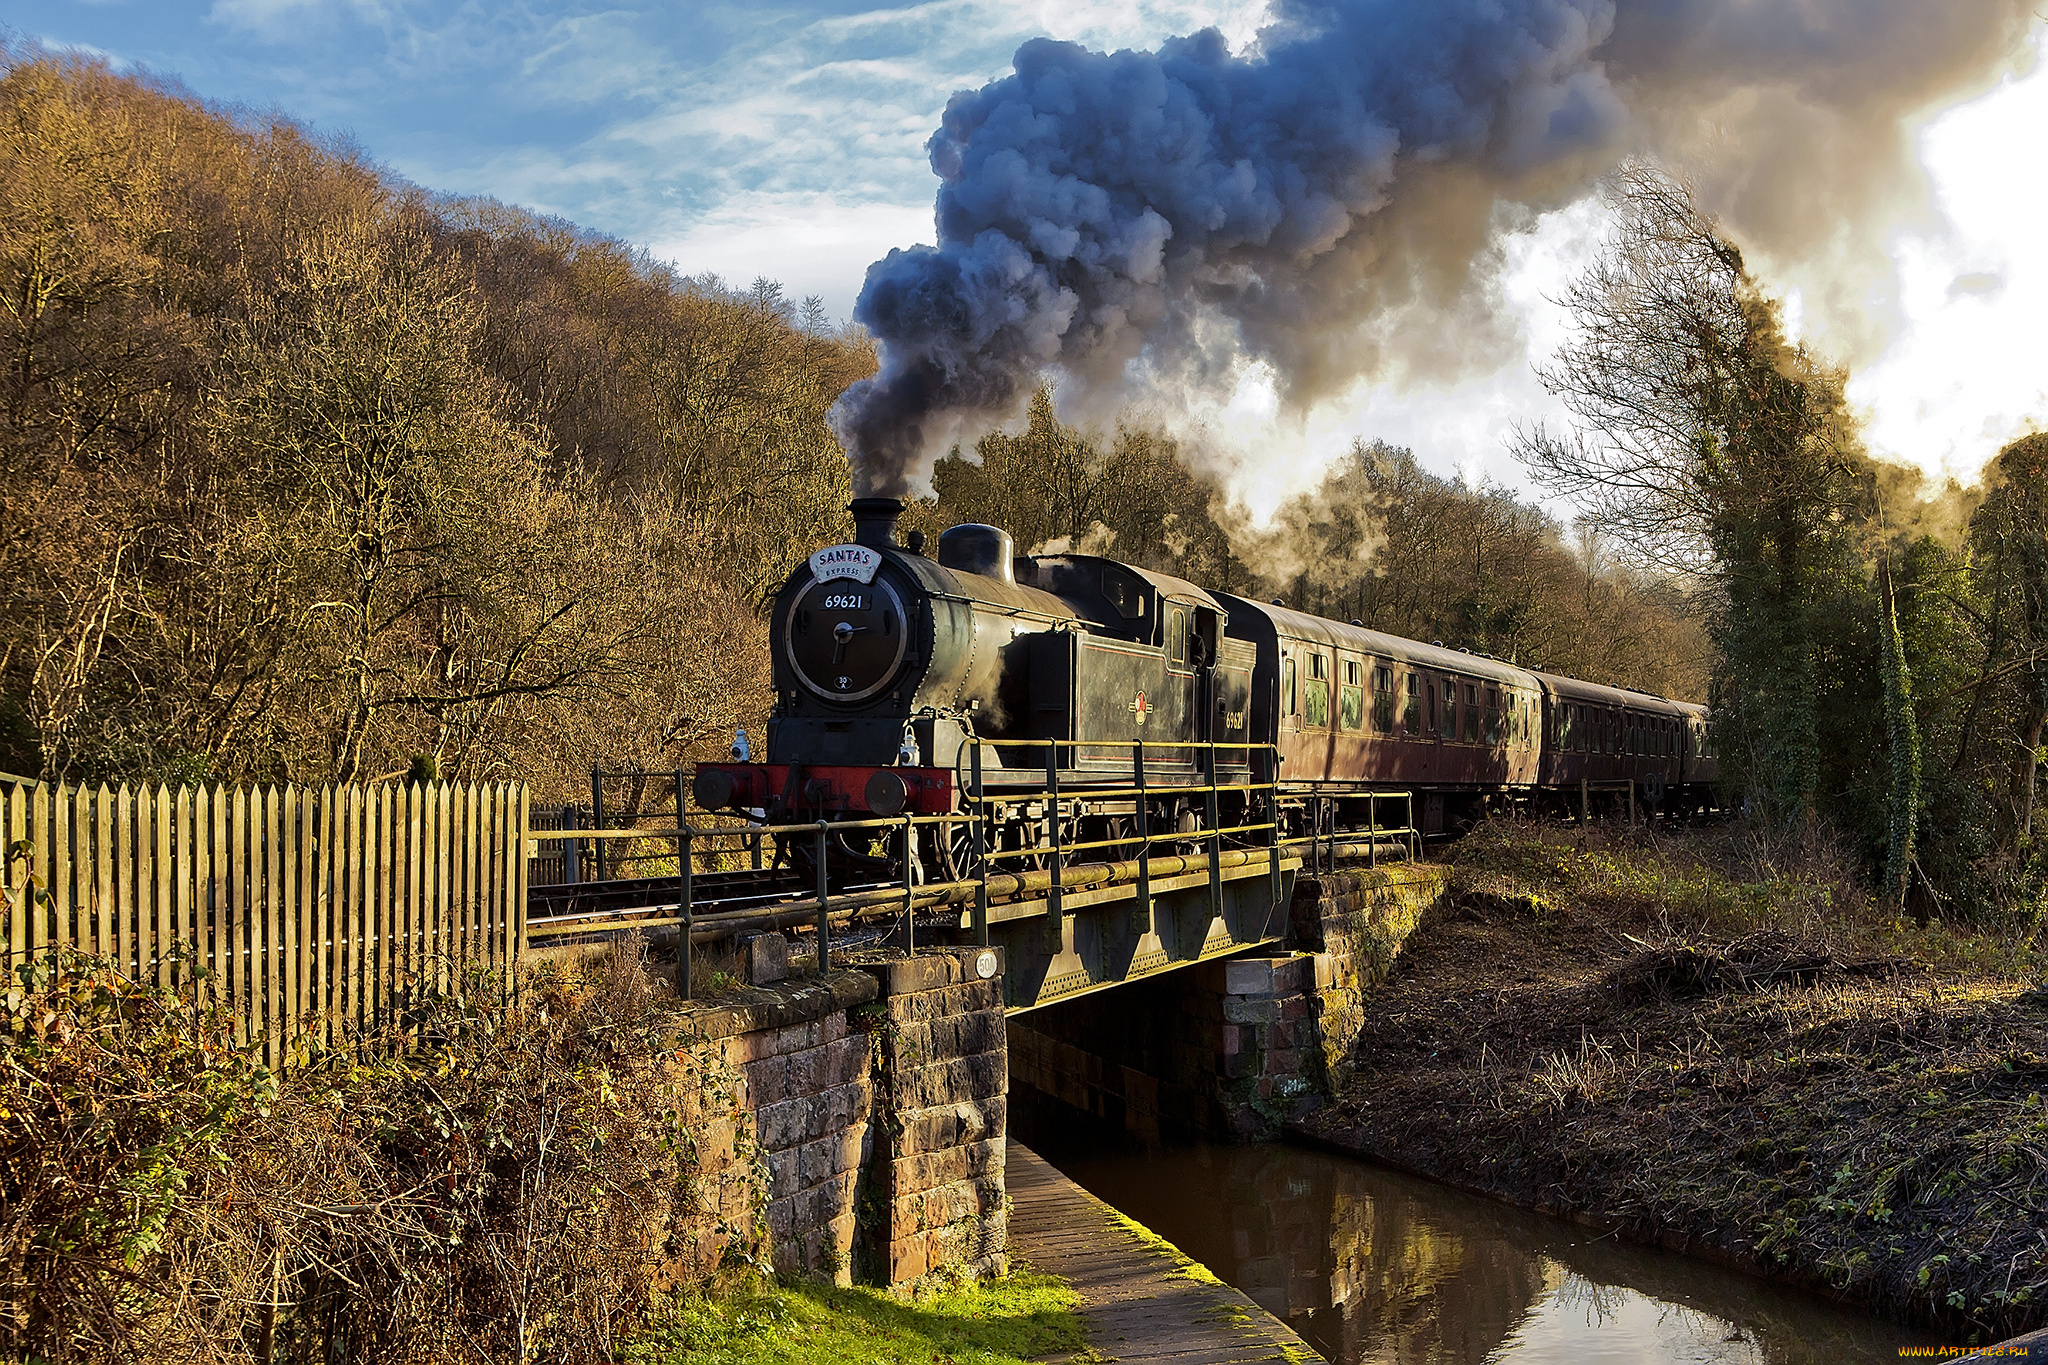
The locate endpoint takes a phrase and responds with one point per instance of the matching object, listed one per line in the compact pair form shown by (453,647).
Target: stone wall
(934,1178)
(779,1101)
(847,1127)
(1358,921)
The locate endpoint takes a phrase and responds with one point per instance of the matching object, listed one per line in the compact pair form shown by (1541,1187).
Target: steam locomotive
(902,682)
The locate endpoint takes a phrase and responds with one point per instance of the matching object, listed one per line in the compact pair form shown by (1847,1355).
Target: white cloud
(806,243)
(1967,373)
(597,59)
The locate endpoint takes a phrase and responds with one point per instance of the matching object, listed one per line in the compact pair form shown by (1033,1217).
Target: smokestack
(874,521)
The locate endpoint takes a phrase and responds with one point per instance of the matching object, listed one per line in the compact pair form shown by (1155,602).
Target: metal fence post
(909,896)
(981,852)
(597,851)
(684,857)
(1212,810)
(824,916)
(1273,814)
(1055,901)
(1142,920)
(572,849)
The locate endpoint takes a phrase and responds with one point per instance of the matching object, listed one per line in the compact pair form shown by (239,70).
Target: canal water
(1371,1265)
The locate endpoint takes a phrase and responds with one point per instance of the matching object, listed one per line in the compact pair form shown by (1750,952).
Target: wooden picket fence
(308,912)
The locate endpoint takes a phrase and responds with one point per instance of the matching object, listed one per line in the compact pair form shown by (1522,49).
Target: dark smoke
(1332,201)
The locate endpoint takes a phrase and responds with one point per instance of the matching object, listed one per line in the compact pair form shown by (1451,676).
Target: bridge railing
(979,822)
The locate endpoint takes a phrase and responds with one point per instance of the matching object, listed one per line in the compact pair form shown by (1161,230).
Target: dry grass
(1750,1058)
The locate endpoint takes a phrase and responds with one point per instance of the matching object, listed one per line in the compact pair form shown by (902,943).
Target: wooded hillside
(307,473)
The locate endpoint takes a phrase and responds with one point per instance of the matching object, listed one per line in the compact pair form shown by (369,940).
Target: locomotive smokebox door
(847,638)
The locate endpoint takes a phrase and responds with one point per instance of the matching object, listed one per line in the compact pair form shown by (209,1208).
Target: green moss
(1185,1267)
(993,1322)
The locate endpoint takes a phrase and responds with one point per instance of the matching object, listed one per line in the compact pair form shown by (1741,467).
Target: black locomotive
(902,681)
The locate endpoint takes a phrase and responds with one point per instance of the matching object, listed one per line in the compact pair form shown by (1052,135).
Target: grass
(1020,1317)
(1723,882)
(1737,1051)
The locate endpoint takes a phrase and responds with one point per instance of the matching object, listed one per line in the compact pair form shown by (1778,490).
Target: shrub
(479,1182)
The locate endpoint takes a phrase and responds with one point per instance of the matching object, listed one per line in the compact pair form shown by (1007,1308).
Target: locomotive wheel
(955,853)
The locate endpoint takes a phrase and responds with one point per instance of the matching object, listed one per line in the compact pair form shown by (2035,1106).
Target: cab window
(1124,591)
(1177,634)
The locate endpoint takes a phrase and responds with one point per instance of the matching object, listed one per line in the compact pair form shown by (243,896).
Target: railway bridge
(886,1035)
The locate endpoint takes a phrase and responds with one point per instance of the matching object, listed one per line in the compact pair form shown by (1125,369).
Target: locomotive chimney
(874,521)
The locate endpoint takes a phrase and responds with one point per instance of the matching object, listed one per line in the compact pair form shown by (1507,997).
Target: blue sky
(781,136)
(785,138)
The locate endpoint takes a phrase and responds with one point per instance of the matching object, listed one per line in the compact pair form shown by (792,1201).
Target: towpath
(1143,1300)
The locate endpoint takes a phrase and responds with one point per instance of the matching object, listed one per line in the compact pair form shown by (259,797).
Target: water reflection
(1373,1266)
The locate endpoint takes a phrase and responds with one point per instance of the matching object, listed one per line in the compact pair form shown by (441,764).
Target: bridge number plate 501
(985,964)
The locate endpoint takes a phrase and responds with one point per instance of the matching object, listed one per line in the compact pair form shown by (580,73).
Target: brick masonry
(850,1127)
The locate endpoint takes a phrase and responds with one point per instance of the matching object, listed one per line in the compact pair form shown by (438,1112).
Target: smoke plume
(1331,200)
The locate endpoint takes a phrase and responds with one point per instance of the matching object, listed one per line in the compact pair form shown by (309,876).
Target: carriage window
(1315,706)
(1289,703)
(1383,699)
(1450,709)
(1493,715)
(1411,715)
(1472,713)
(1351,697)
